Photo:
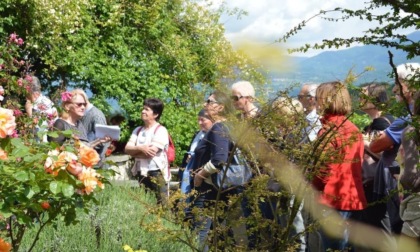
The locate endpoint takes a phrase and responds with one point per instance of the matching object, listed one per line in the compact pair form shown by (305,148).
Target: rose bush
(39,181)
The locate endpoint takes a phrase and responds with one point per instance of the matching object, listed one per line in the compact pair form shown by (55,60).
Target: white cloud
(269,20)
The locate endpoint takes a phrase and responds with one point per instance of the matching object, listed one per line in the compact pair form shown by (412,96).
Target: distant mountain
(334,65)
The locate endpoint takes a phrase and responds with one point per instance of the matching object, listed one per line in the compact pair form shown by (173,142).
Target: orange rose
(89,177)
(58,160)
(88,156)
(3,155)
(4,246)
(74,168)
(7,122)
(64,158)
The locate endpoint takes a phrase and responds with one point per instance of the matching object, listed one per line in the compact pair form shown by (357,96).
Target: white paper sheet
(107,130)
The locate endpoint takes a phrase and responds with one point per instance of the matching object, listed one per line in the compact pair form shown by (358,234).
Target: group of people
(356,173)
(78,115)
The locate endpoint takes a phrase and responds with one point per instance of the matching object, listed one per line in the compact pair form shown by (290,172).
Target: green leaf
(68,190)
(17,142)
(5,213)
(53,134)
(21,176)
(29,193)
(20,151)
(55,187)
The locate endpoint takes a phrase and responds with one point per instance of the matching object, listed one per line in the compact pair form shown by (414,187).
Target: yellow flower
(129,249)
(7,122)
(88,156)
(3,155)
(4,246)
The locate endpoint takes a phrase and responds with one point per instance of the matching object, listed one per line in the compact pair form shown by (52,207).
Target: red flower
(45,205)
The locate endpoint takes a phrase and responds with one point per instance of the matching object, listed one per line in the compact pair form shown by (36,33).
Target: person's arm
(141,150)
(28,107)
(100,141)
(58,126)
(219,141)
(381,143)
(102,146)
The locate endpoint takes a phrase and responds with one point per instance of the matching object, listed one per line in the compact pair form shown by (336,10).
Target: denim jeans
(206,197)
(343,243)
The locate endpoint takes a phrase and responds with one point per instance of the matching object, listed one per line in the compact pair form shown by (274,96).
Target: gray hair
(408,70)
(312,88)
(245,88)
(35,85)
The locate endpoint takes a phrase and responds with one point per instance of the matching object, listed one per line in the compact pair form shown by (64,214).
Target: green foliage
(129,51)
(108,226)
(39,183)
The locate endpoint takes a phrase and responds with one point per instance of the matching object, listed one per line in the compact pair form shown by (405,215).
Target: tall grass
(114,222)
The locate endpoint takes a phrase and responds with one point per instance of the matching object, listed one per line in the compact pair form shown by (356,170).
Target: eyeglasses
(211,101)
(303,96)
(79,104)
(237,98)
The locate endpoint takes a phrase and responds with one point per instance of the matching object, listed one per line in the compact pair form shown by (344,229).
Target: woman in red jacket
(339,177)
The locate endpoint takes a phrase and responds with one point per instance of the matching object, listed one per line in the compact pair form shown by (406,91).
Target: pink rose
(28,78)
(12,37)
(20,82)
(19,41)
(17,112)
(7,123)
(66,96)
(15,134)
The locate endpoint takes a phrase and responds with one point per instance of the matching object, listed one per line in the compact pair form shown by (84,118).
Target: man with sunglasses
(243,94)
(307,97)
(94,116)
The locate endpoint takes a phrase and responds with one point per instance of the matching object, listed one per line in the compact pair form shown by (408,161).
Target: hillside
(334,65)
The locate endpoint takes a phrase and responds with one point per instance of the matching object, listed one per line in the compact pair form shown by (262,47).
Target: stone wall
(122,165)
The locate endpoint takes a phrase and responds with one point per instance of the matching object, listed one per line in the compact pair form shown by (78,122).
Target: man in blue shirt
(388,142)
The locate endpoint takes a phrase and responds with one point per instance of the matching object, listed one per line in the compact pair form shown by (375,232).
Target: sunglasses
(211,101)
(237,98)
(79,104)
(303,96)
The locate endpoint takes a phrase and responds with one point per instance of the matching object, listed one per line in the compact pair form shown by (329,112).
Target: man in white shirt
(307,98)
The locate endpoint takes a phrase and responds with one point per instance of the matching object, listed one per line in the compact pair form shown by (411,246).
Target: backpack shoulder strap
(154,132)
(138,131)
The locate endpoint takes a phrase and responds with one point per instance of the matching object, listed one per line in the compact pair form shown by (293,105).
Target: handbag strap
(386,119)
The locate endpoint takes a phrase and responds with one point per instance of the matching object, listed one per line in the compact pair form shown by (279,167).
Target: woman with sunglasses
(74,105)
(243,94)
(210,155)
